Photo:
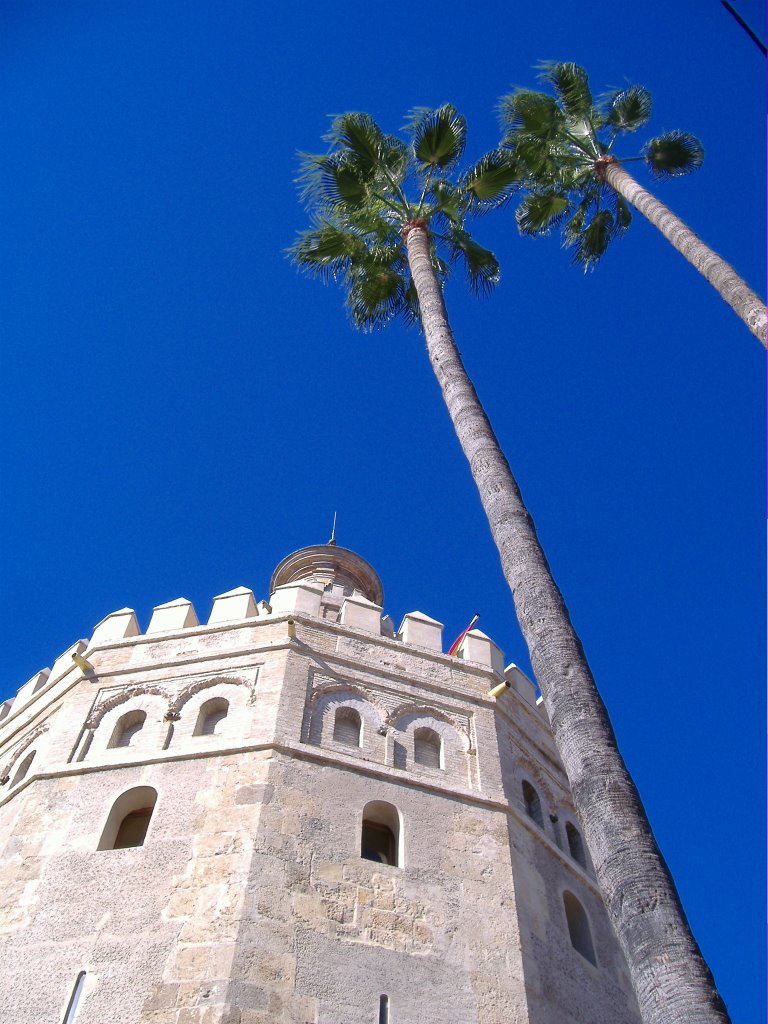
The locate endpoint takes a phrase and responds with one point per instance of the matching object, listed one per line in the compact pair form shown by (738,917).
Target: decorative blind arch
(428,748)
(127,728)
(532,804)
(211,716)
(347,727)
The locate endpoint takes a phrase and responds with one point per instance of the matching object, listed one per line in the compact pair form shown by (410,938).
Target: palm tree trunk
(720,274)
(671,979)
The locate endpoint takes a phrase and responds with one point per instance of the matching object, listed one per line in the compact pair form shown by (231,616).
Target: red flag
(455,645)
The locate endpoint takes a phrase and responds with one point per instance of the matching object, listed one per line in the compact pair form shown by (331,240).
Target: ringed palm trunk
(672,982)
(714,268)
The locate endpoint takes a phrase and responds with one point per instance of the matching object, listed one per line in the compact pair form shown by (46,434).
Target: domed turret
(329,566)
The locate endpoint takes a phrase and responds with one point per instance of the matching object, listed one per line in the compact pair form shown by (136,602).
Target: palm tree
(388,222)
(563,145)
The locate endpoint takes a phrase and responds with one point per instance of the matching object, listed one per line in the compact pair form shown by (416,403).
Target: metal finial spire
(333,531)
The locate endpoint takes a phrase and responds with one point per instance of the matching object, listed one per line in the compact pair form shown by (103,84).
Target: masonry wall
(249,902)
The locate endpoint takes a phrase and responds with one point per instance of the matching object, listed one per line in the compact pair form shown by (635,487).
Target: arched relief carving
(235,693)
(177,704)
(153,700)
(526,769)
(327,702)
(24,745)
(97,714)
(410,716)
(455,743)
(325,689)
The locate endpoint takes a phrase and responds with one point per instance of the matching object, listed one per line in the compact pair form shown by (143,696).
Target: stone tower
(293,813)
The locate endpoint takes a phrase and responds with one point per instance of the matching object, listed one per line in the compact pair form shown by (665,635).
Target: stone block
(28,690)
(173,615)
(521,684)
(233,606)
(116,626)
(478,647)
(359,613)
(417,628)
(296,599)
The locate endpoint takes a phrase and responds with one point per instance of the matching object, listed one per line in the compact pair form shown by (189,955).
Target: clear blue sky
(180,409)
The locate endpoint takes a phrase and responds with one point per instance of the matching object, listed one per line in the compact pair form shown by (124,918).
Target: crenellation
(172,616)
(266,753)
(422,631)
(234,604)
(116,626)
(476,646)
(359,613)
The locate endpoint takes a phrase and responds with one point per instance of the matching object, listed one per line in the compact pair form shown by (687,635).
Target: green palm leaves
(559,144)
(371,186)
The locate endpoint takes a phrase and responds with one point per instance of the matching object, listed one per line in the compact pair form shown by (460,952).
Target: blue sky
(181,409)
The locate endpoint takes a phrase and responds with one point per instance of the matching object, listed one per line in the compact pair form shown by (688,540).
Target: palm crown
(370,187)
(559,144)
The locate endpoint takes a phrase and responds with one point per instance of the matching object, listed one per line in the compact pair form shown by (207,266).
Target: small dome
(327,564)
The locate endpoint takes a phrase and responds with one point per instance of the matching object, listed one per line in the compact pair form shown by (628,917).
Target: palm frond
(326,251)
(622,215)
(538,161)
(573,227)
(481,265)
(341,182)
(674,154)
(534,113)
(376,294)
(361,137)
(438,137)
(540,212)
(447,204)
(492,180)
(593,240)
(571,85)
(629,109)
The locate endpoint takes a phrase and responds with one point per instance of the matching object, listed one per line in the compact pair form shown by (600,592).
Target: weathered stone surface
(249,901)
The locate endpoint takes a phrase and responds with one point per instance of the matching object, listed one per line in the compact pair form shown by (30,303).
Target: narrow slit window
(347,727)
(74,999)
(383,1009)
(427,748)
(575,844)
(532,804)
(578,928)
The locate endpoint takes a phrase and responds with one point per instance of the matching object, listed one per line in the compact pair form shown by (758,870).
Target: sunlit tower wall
(293,813)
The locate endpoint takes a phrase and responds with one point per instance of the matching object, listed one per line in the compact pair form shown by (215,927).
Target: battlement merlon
(322,582)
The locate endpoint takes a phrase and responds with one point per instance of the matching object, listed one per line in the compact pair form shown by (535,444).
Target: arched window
(127,728)
(347,727)
(5,709)
(532,804)
(575,845)
(578,927)
(427,748)
(129,819)
(74,999)
(380,838)
(23,768)
(211,716)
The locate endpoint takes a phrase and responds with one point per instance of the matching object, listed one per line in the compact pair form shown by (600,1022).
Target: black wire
(745,26)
